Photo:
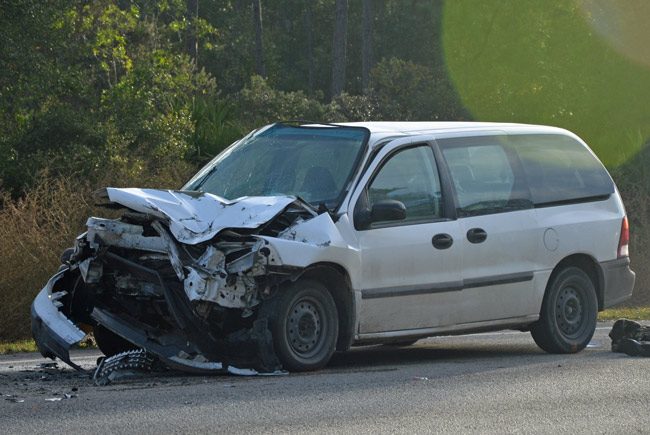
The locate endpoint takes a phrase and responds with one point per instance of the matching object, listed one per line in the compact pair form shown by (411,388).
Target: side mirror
(388,210)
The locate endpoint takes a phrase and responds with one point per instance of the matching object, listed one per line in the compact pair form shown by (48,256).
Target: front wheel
(304,326)
(569,311)
(110,343)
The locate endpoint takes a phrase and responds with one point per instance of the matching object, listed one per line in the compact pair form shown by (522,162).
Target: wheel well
(337,281)
(590,266)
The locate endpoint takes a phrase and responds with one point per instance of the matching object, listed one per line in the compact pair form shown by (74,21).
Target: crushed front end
(183,275)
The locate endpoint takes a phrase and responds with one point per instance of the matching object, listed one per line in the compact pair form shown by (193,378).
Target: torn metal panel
(91,270)
(320,231)
(207,276)
(172,249)
(121,234)
(196,217)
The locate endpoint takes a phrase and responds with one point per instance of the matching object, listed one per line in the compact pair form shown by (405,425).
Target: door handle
(442,241)
(476,235)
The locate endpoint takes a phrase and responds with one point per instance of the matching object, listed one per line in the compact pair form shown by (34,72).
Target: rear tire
(569,311)
(304,326)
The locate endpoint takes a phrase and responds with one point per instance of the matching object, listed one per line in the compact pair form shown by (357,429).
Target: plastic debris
(631,338)
(14,400)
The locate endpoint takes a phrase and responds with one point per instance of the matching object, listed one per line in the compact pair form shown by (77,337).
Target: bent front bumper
(53,332)
(186,348)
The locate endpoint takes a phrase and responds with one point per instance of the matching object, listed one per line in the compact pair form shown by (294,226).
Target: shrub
(406,91)
(33,232)
(36,228)
(346,107)
(150,109)
(215,128)
(259,104)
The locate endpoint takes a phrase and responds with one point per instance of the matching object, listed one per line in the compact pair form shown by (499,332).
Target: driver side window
(411,177)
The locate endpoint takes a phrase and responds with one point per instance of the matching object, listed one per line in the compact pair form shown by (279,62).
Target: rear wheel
(304,326)
(568,316)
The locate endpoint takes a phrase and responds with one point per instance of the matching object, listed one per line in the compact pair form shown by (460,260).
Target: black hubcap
(569,310)
(304,327)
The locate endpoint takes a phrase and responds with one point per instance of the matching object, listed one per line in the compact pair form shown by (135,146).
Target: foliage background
(119,92)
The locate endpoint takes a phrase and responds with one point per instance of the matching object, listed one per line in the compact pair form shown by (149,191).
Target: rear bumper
(618,281)
(53,332)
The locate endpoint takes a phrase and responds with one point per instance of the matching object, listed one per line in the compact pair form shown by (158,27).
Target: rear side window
(560,169)
(486,175)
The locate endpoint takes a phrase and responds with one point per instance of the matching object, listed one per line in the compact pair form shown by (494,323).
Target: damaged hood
(195,217)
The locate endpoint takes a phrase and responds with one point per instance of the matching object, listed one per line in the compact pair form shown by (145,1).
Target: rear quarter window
(559,169)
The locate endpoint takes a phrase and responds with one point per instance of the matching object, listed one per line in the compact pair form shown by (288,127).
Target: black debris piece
(631,338)
(122,365)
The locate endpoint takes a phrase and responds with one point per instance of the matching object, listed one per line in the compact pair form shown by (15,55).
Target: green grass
(7,347)
(636,313)
(17,346)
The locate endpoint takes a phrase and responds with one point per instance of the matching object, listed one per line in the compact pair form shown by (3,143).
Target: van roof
(383,129)
(431,127)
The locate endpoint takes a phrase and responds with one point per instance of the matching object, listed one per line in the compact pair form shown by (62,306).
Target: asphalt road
(480,383)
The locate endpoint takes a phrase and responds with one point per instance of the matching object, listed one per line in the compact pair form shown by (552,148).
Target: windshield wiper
(322,208)
(203,179)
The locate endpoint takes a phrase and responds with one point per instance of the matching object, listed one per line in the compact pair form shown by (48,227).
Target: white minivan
(302,239)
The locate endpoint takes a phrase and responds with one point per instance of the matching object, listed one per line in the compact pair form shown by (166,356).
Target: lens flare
(579,64)
(622,24)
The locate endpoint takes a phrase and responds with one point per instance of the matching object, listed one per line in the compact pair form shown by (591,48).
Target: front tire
(110,343)
(304,326)
(569,311)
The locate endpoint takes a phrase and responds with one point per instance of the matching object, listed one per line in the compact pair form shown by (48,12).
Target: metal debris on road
(49,365)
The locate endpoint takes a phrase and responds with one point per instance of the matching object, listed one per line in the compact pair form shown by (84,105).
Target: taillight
(624,241)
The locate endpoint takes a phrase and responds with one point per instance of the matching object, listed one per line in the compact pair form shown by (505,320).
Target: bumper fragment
(53,332)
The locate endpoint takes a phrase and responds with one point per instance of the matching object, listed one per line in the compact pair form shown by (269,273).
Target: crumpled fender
(316,240)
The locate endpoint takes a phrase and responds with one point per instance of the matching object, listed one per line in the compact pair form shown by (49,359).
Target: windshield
(314,163)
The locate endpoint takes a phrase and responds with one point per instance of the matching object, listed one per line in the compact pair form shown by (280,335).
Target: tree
(260,67)
(366,45)
(192,31)
(309,33)
(339,43)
